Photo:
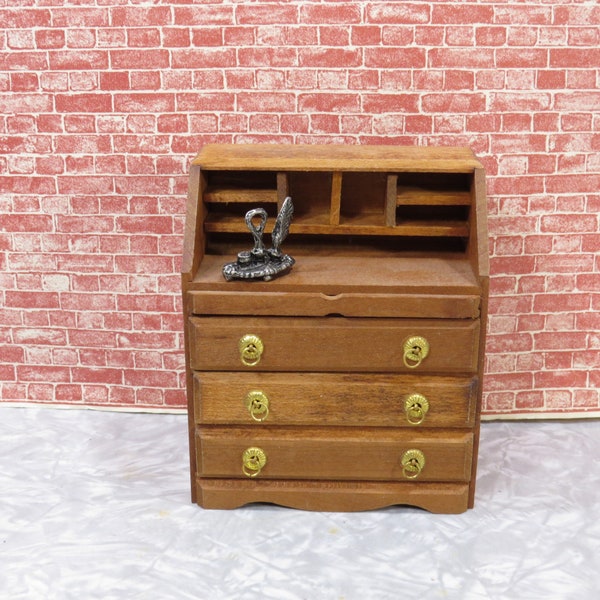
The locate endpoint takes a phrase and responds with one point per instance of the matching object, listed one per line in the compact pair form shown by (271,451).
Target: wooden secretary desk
(354,381)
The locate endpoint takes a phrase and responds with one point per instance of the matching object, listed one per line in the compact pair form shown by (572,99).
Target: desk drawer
(336,454)
(262,399)
(331,344)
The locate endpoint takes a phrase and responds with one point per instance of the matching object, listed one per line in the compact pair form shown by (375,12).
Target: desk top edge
(328,157)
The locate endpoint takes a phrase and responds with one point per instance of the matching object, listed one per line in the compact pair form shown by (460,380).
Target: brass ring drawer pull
(415,408)
(257,404)
(253,461)
(413,462)
(251,348)
(416,349)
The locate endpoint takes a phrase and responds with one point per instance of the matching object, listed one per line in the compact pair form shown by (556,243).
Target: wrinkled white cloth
(96,505)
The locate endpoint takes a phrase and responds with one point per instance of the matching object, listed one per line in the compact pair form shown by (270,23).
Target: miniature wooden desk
(354,381)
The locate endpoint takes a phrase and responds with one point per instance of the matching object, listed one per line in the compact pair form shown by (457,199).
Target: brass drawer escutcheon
(413,462)
(253,461)
(416,349)
(251,348)
(257,404)
(415,408)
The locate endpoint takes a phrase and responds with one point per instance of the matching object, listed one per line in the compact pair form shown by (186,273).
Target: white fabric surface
(96,505)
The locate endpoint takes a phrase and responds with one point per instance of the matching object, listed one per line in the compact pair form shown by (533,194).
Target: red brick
(143,340)
(151,58)
(11,354)
(394,58)
(140,16)
(207,36)
(43,373)
(68,393)
(66,60)
(511,342)
(149,396)
(564,302)
(567,183)
(19,39)
(589,282)
(578,79)
(521,185)
(24,61)
(267,123)
(453,103)
(144,102)
(574,57)
(81,38)
(524,101)
(144,37)
(576,14)
(529,400)
(564,263)
(578,101)
(151,378)
(459,80)
(554,361)
(328,102)
(562,341)
(97,375)
(27,185)
(145,80)
(367,35)
(25,18)
(141,185)
(257,13)
(26,223)
(245,36)
(526,15)
(583,36)
(586,398)
(175,397)
(94,103)
(576,122)
(533,143)
(510,381)
(176,37)
(490,36)
(82,17)
(217,101)
(143,264)
(20,103)
(460,35)
(461,58)
(398,12)
(498,402)
(341,13)
(267,102)
(510,305)
(329,57)
(85,185)
(334,35)
(561,379)
(50,38)
(551,79)
(207,14)
(393,103)
(140,143)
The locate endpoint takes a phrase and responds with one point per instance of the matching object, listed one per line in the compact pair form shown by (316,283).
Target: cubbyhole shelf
(337,203)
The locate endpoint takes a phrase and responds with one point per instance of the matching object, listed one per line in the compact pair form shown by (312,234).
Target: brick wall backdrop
(104,102)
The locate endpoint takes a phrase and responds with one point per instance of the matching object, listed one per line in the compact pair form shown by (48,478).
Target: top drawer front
(332,344)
